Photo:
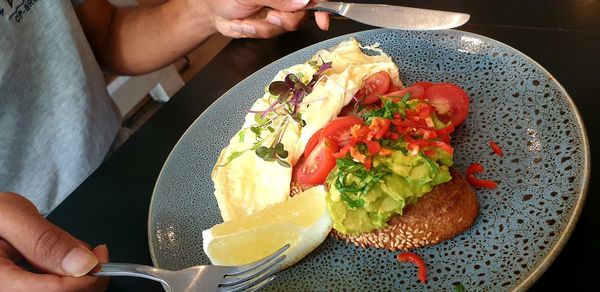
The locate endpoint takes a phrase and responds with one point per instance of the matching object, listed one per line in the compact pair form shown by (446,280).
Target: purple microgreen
(323,67)
(289,93)
(290,80)
(269,109)
(278,88)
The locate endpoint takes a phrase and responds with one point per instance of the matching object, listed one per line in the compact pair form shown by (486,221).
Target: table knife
(395,17)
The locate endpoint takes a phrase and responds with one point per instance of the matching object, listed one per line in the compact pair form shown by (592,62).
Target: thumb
(42,243)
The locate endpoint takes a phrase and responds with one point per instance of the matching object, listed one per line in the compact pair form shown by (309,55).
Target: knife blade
(395,17)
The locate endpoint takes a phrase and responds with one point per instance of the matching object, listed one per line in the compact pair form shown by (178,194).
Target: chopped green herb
(353,204)
(231,157)
(352,179)
(432,165)
(406,97)
(387,111)
(459,287)
(362,148)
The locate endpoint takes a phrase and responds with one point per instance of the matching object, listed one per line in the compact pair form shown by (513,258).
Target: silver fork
(250,277)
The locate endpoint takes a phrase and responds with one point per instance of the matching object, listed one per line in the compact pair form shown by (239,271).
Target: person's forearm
(138,40)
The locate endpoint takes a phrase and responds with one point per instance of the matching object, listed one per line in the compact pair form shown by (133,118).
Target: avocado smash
(398,155)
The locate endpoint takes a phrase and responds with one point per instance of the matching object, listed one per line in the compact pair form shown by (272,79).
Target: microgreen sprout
(270,125)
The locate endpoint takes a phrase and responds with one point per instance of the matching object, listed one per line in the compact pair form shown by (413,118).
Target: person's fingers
(85,244)
(256,28)
(264,24)
(282,5)
(43,244)
(322,20)
(101,253)
(14,278)
(289,21)
(7,251)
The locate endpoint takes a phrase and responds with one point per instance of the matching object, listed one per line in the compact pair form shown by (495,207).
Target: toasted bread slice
(448,210)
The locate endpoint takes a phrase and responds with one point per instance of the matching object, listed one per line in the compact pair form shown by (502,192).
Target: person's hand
(260,18)
(62,260)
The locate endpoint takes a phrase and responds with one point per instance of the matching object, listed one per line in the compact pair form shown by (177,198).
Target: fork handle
(133,270)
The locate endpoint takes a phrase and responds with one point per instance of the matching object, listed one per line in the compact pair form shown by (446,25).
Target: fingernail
(274,20)
(236,27)
(79,262)
(300,2)
(248,29)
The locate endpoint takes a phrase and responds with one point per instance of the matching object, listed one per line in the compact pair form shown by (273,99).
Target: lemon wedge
(302,221)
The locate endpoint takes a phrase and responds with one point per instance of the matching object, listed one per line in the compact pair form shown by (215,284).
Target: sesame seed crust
(448,210)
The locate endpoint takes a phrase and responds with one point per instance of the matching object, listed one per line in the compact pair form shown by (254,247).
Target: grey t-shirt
(57,120)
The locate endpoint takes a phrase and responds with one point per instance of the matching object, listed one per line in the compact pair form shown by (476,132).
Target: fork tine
(261,284)
(231,281)
(259,263)
(253,282)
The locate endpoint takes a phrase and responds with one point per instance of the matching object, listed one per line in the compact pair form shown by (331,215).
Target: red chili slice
(373,147)
(496,148)
(417,260)
(338,130)
(476,168)
(446,131)
(427,143)
(380,127)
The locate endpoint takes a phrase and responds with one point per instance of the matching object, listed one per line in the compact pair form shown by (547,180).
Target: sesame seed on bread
(448,210)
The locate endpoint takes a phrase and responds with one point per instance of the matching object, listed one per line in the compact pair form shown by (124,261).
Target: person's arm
(141,39)
(61,261)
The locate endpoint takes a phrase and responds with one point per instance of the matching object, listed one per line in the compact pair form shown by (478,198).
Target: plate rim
(552,254)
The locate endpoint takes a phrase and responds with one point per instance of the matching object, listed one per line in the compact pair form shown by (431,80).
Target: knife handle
(339,8)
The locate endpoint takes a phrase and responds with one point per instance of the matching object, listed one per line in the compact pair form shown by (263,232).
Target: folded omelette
(244,182)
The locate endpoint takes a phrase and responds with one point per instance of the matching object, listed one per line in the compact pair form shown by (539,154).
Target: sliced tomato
(338,130)
(415,91)
(423,84)
(393,88)
(318,164)
(375,86)
(312,142)
(450,101)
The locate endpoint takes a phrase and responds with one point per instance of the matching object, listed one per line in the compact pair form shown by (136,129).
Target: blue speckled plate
(523,223)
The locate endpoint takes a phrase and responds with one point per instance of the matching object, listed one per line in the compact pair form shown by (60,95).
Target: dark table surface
(111,206)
